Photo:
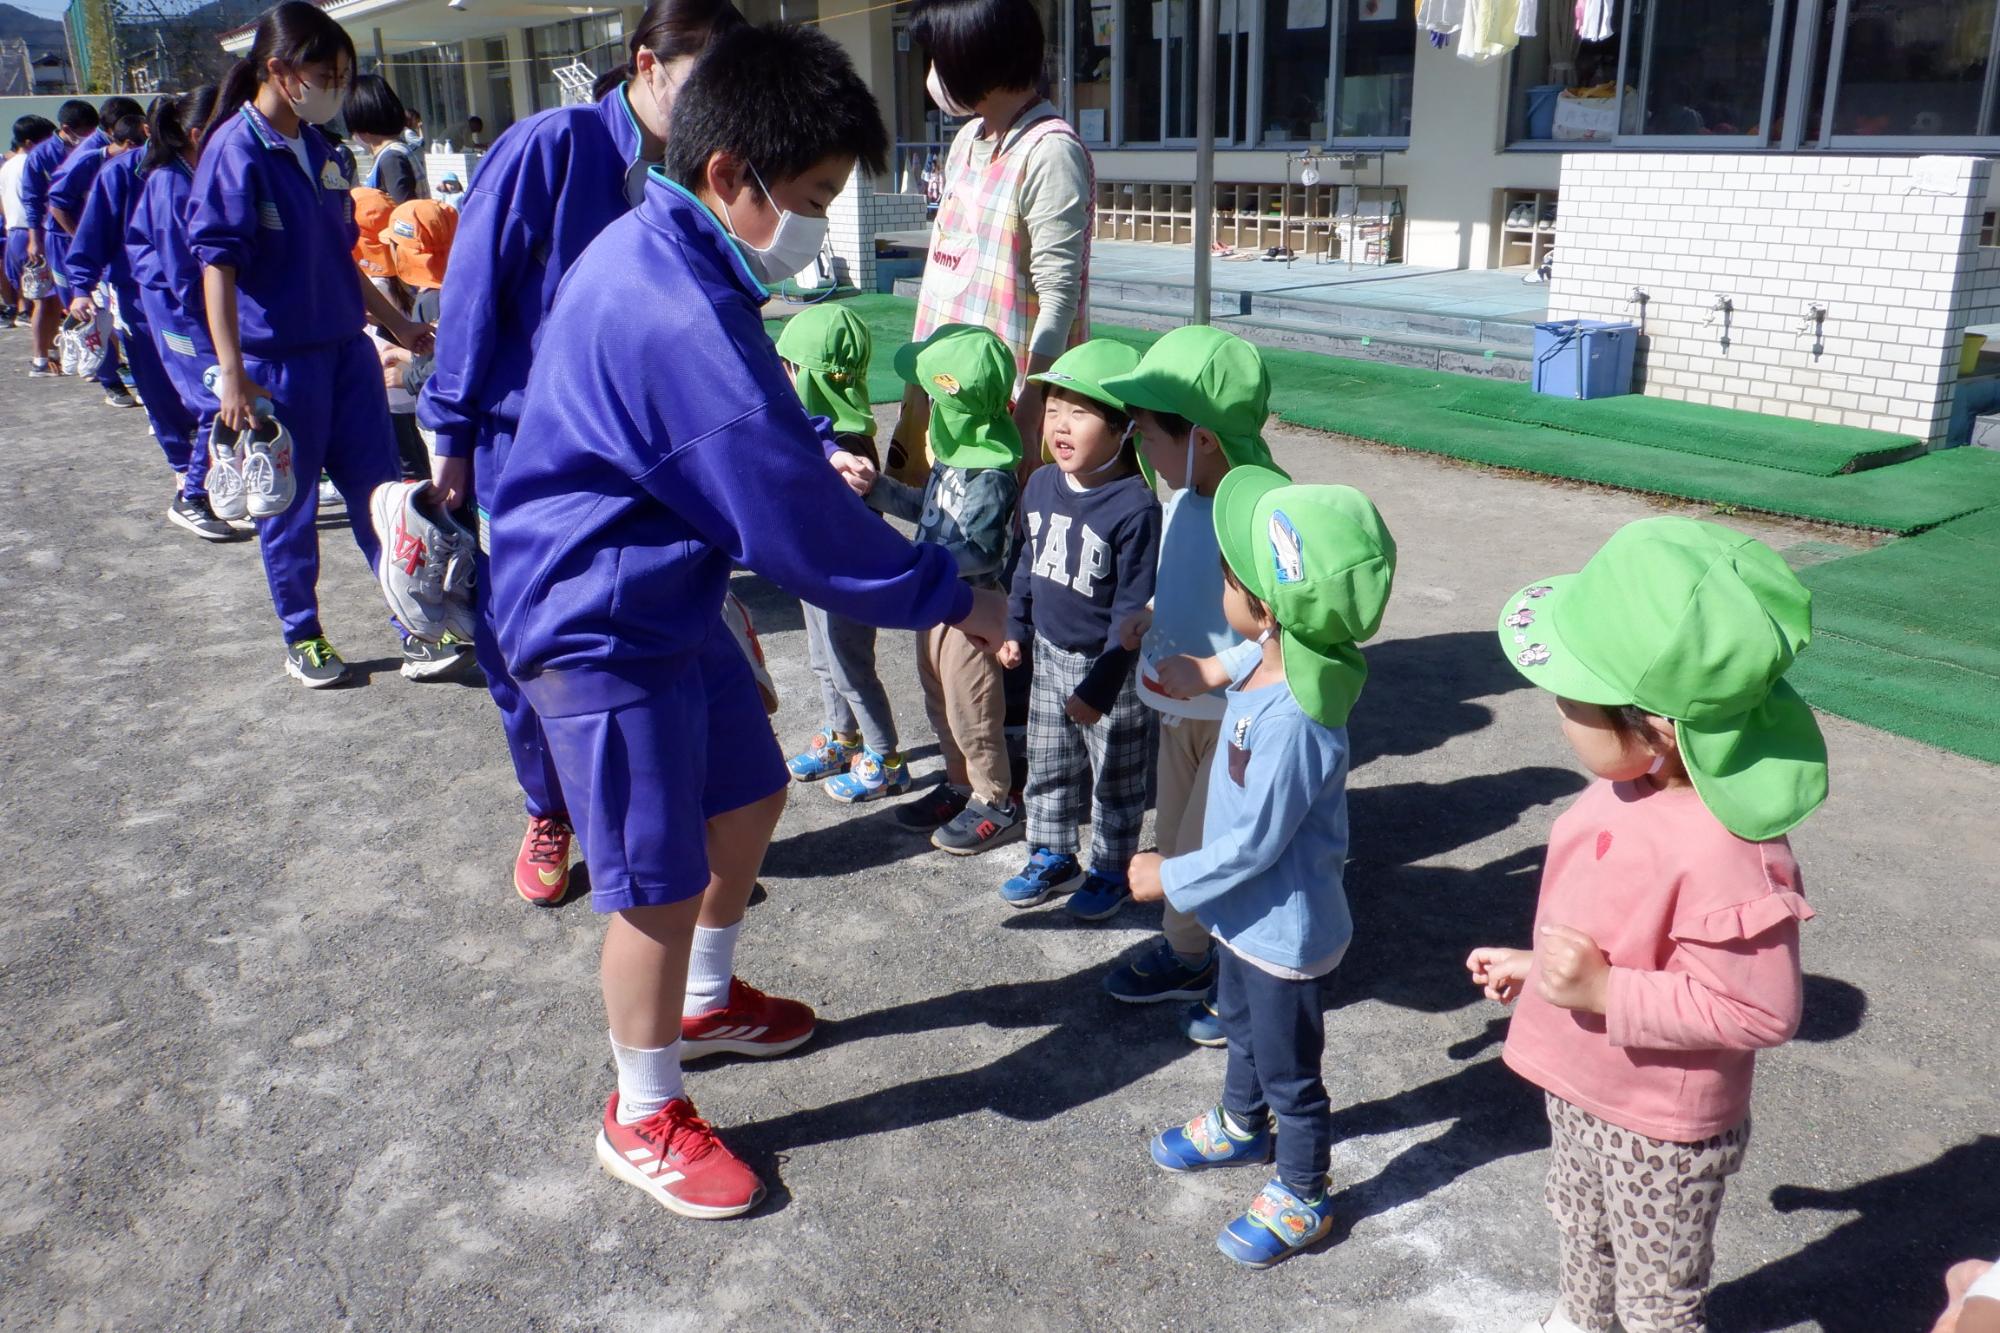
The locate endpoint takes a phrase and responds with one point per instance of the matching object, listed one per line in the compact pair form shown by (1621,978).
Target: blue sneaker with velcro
(1203,1025)
(1100,897)
(1158,975)
(1046,874)
(825,755)
(1276,1226)
(1208,1141)
(872,774)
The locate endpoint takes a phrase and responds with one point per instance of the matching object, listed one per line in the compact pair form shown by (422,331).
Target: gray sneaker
(976,828)
(314,664)
(434,661)
(120,397)
(194,515)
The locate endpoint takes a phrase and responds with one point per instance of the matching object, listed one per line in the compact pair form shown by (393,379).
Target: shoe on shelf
(1100,897)
(977,828)
(1159,975)
(196,517)
(120,397)
(1546,220)
(1207,1141)
(826,754)
(268,484)
(939,805)
(870,776)
(674,1157)
(1046,874)
(541,869)
(314,664)
(435,661)
(1203,1025)
(1276,1226)
(748,1023)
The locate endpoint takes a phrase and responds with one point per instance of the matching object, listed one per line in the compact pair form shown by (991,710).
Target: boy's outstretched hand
(1574,972)
(1502,972)
(1010,655)
(986,623)
(1144,878)
(856,471)
(1185,677)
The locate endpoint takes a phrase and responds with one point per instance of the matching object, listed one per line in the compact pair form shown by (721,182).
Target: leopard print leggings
(1637,1218)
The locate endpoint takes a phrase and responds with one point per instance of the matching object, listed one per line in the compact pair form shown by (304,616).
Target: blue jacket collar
(616,108)
(671,207)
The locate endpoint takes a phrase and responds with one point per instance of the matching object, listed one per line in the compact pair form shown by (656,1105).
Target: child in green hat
(855,756)
(1199,399)
(1666,947)
(1308,571)
(1093,541)
(967,507)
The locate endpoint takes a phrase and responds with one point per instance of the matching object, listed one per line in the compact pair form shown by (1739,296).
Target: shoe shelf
(1525,223)
(1325,221)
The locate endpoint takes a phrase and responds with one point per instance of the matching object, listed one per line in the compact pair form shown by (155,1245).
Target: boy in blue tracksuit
(272,223)
(76,122)
(120,125)
(661,445)
(551,184)
(98,254)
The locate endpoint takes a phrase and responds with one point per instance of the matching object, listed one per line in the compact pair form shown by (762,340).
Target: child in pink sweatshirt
(1666,945)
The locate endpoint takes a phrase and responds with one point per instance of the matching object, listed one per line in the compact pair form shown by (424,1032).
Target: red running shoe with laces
(749,1023)
(674,1157)
(541,871)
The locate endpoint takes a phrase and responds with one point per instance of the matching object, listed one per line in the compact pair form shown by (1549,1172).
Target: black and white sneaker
(120,397)
(435,661)
(195,516)
(977,828)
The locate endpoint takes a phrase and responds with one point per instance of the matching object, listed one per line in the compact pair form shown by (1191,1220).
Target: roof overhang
(409,25)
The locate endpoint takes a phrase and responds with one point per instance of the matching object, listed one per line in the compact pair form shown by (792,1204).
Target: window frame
(1837,57)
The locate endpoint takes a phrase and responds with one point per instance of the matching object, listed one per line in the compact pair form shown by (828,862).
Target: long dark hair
(669,29)
(294,32)
(174,120)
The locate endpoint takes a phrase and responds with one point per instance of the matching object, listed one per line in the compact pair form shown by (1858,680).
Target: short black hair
(982,45)
(783,98)
(115,109)
(372,107)
(32,130)
(474,120)
(1128,447)
(1176,426)
(129,130)
(77,116)
(1257,607)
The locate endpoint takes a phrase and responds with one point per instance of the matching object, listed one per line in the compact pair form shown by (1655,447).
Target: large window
(1378,58)
(433,81)
(1704,67)
(597,41)
(1911,69)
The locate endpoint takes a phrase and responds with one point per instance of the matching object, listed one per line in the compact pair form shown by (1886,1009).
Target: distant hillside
(42,35)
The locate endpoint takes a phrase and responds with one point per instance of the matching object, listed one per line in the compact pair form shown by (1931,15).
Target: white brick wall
(1898,268)
(858,215)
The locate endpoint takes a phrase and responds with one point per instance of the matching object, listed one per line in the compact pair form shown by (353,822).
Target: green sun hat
(1321,559)
(1212,378)
(832,347)
(969,375)
(1693,622)
(1083,369)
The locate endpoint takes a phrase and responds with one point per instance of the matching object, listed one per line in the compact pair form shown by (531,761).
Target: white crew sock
(711,962)
(647,1079)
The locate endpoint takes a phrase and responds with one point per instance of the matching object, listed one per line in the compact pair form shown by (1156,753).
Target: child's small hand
(1010,655)
(1144,877)
(1080,712)
(856,471)
(1135,629)
(1574,972)
(1186,677)
(1502,972)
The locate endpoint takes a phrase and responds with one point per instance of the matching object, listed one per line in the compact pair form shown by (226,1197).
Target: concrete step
(1463,356)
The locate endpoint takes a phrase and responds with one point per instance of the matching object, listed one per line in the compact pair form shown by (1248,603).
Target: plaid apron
(977,272)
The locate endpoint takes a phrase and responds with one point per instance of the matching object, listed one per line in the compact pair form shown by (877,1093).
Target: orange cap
(371,213)
(419,235)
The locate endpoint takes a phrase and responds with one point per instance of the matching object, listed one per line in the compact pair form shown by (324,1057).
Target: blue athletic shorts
(642,780)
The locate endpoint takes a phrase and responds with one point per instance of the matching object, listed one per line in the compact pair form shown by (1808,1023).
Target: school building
(1791,196)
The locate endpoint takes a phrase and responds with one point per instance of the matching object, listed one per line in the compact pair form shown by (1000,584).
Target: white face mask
(948,104)
(316,106)
(795,244)
(1187,477)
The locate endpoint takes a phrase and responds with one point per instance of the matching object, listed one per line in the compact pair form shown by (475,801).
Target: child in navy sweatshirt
(1093,546)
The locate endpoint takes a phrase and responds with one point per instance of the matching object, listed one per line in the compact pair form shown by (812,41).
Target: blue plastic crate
(1585,358)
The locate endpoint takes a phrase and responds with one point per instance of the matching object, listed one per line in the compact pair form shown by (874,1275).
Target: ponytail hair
(670,29)
(175,123)
(294,32)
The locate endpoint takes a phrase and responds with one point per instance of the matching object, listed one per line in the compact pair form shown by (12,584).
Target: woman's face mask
(950,105)
(314,103)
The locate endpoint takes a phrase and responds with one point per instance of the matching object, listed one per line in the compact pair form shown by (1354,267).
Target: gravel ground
(285,1050)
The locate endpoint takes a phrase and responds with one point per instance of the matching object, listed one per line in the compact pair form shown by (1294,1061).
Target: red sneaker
(541,871)
(674,1157)
(750,1023)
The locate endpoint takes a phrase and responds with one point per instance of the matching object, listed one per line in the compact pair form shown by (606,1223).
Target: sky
(48,9)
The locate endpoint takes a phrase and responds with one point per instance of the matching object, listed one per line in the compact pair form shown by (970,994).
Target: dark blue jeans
(1277,1035)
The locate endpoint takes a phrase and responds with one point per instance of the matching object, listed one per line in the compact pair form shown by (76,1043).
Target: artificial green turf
(1905,638)
(1638,443)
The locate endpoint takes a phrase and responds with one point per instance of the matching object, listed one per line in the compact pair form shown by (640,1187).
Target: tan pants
(968,711)
(1187,751)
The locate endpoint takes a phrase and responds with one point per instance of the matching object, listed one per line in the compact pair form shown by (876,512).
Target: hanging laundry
(1527,22)
(1441,16)
(1593,20)
(1489,29)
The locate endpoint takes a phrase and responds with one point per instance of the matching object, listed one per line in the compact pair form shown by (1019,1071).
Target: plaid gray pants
(1116,753)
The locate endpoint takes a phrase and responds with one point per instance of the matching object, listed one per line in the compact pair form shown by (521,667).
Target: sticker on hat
(949,383)
(1288,555)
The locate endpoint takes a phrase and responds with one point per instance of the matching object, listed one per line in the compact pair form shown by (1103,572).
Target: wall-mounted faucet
(1721,308)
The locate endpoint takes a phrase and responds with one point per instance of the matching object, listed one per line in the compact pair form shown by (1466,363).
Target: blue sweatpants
(527,744)
(332,401)
(55,244)
(183,354)
(1277,1036)
(173,424)
(17,256)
